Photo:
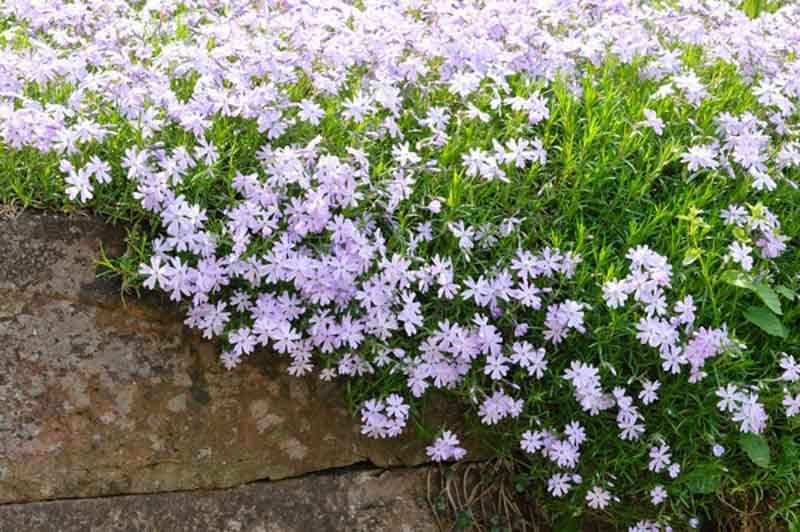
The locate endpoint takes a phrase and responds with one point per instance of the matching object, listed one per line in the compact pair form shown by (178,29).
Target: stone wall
(103,396)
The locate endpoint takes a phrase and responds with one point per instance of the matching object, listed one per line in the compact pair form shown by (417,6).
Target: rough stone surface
(390,501)
(103,396)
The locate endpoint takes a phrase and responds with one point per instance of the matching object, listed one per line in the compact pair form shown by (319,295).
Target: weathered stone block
(360,501)
(105,397)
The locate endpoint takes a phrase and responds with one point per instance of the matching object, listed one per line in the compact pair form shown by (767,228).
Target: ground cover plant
(576,218)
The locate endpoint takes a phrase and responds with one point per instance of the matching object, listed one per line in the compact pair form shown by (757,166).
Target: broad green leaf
(756,448)
(766,321)
(769,297)
(703,481)
(737,279)
(786,292)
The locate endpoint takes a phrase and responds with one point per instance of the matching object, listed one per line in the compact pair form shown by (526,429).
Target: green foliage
(754,8)
(765,320)
(703,481)
(756,448)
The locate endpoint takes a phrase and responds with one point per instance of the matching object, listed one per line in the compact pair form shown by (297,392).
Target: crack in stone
(363,466)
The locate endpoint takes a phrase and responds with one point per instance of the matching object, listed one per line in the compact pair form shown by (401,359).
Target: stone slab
(102,396)
(362,501)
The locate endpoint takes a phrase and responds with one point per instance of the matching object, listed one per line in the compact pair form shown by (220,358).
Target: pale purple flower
(243,341)
(284,337)
(575,433)
(496,366)
(357,107)
(751,414)
(498,406)
(762,180)
(518,152)
(563,453)
(207,151)
(465,235)
(310,111)
(327,374)
(396,406)
(652,120)
(375,423)
(734,215)
(155,273)
(660,458)
(740,254)
(791,403)
(384,418)
(598,498)
(700,157)
(79,187)
(791,369)
(691,86)
(100,169)
(559,484)
(532,442)
(230,359)
(658,494)
(615,293)
(647,526)
(685,310)
(410,315)
(649,391)
(730,397)
(473,113)
(585,381)
(404,156)
(213,319)
(446,447)
(526,356)
(563,317)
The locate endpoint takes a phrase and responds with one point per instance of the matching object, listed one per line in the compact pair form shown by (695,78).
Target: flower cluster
(744,408)
(384,418)
(672,333)
(758,225)
(563,451)
(446,447)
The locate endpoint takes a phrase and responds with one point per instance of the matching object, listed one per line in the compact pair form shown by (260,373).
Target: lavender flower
(446,447)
